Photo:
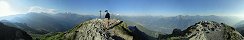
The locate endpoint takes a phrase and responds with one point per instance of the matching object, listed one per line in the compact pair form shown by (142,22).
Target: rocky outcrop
(96,29)
(140,35)
(206,30)
(241,30)
(177,32)
(11,33)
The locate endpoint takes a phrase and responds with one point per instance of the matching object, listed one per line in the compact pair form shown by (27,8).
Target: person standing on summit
(107,14)
(108,17)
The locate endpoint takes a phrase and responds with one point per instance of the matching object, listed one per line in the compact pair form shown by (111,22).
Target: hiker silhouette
(107,14)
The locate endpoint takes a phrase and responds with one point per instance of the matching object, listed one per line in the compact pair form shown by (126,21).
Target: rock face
(96,29)
(206,30)
(11,33)
(176,32)
(241,30)
(138,34)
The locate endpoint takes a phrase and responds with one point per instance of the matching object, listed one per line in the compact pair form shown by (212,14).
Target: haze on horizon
(126,7)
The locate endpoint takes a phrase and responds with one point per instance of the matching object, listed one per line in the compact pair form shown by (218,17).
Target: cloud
(5,9)
(39,9)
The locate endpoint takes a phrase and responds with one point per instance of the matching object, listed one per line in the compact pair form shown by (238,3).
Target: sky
(126,7)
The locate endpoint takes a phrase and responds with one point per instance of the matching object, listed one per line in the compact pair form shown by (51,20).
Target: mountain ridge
(205,30)
(97,29)
(11,33)
(48,22)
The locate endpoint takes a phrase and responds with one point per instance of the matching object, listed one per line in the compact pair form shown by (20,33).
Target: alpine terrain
(96,29)
(205,30)
(11,33)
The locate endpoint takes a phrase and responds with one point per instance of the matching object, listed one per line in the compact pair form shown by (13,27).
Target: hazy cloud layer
(39,9)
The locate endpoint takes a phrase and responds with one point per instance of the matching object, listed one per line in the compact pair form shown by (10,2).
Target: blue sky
(133,7)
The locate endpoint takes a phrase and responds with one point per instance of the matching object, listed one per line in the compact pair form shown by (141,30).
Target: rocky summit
(96,29)
(205,30)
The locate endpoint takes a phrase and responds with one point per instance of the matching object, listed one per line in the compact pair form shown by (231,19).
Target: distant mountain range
(24,27)
(167,24)
(46,22)
(66,25)
(63,21)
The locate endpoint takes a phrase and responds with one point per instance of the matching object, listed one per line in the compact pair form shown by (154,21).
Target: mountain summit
(205,30)
(97,29)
